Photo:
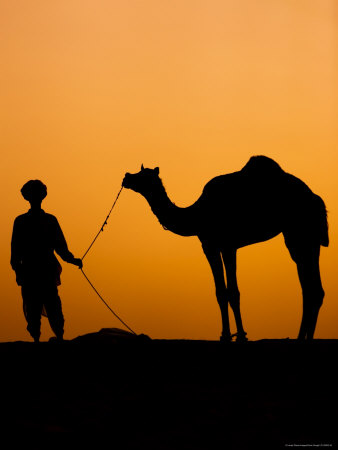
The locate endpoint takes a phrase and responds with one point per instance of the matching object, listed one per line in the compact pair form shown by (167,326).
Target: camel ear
(157,170)
(142,167)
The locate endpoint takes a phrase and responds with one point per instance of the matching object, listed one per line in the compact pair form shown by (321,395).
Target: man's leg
(53,308)
(32,307)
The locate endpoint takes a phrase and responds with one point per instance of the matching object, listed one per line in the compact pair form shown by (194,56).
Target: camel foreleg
(229,259)
(215,260)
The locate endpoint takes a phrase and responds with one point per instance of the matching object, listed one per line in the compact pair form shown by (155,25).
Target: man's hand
(78,262)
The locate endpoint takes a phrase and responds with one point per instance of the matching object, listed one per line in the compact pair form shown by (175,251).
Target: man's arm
(61,247)
(16,252)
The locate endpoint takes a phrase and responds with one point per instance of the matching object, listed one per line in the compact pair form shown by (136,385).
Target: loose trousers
(42,299)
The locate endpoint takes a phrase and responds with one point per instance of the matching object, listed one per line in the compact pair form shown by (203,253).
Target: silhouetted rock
(110,335)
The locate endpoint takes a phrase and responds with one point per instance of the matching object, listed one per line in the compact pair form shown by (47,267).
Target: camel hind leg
(313,295)
(306,258)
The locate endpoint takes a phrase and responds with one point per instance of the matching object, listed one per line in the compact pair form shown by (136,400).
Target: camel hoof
(240,337)
(225,339)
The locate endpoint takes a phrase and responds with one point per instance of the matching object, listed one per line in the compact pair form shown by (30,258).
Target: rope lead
(91,284)
(119,318)
(104,224)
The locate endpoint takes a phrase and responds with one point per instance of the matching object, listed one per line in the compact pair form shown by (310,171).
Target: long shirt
(36,236)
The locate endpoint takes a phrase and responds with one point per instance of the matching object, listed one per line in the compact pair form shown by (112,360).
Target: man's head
(34,191)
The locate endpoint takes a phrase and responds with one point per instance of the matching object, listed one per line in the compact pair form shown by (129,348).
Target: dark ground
(173,394)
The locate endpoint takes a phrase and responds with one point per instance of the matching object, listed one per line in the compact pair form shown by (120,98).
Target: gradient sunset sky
(93,89)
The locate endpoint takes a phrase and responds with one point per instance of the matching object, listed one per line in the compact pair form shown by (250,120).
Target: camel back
(262,167)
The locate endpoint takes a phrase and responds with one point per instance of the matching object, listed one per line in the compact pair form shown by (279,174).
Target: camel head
(143,181)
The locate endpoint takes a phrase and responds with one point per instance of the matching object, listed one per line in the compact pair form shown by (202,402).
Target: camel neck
(178,220)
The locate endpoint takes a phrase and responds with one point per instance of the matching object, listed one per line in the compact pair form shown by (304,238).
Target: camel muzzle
(125,182)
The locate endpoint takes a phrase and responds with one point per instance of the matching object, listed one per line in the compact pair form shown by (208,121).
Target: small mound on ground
(110,335)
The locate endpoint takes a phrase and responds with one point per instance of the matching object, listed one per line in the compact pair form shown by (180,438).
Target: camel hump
(262,166)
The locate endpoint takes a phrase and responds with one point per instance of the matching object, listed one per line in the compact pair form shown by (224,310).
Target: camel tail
(323,224)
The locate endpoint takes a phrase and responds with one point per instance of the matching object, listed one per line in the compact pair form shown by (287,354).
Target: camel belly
(240,230)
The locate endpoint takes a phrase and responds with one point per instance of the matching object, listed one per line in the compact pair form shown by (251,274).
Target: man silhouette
(36,235)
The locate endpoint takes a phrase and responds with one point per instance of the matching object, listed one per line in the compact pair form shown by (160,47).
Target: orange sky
(90,90)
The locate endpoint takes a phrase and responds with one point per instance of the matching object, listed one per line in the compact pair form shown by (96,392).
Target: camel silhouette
(242,208)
